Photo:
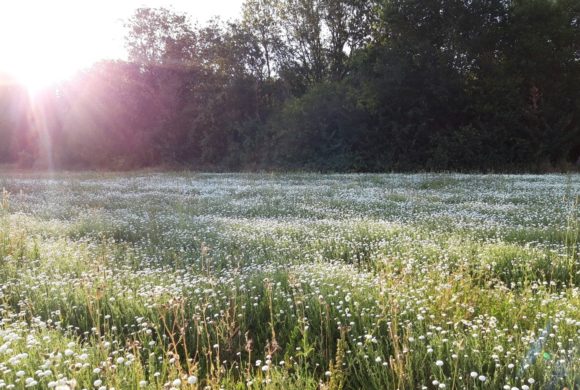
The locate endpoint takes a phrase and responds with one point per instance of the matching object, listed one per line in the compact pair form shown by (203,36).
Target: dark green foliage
(341,85)
(319,130)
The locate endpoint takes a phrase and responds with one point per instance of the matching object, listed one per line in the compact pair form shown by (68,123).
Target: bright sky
(45,40)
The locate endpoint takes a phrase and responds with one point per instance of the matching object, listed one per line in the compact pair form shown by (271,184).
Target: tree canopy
(341,85)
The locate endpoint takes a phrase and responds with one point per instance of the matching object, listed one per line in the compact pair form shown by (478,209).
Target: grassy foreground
(303,281)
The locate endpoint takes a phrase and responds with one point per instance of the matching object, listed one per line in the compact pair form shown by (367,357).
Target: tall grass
(293,294)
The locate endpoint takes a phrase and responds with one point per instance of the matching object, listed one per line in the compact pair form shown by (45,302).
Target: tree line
(334,85)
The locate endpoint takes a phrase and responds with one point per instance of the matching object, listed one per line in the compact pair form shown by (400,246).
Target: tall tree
(159,36)
(260,18)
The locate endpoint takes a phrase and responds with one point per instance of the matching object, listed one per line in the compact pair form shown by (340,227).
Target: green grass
(297,281)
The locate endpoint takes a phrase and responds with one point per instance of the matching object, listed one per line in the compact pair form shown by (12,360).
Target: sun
(32,46)
(43,42)
(37,78)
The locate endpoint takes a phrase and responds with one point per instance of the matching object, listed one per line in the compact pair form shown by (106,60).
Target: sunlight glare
(42,42)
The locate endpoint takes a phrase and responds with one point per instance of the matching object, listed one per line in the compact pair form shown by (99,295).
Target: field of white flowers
(302,281)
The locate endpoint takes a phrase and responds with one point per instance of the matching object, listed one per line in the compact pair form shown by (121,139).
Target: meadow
(289,281)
